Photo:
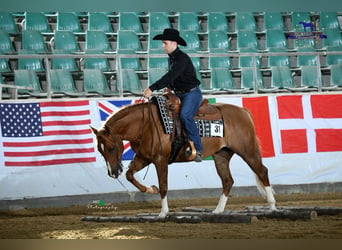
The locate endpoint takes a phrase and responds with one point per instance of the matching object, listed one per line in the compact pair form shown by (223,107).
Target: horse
(140,125)
(307,25)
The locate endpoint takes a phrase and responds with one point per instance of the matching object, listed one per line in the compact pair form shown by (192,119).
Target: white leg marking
(164,208)
(270,198)
(221,204)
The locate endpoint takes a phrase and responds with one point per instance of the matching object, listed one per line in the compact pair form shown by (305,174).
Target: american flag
(46,133)
(106,108)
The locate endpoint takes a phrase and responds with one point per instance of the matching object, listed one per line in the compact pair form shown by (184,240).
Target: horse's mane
(120,113)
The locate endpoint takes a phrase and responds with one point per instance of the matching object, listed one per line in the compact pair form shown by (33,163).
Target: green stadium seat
(97,40)
(274,61)
(99,21)
(221,80)
(63,63)
(273,21)
(34,64)
(329,20)
(68,21)
(96,62)
(245,21)
(62,83)
(275,40)
(247,79)
(36,21)
(7,23)
(65,40)
(336,75)
(310,77)
(154,44)
(217,21)
(306,60)
(33,40)
(332,59)
(130,21)
(188,21)
(296,18)
(158,21)
(282,78)
(247,61)
(129,63)
(128,40)
(218,40)
(6,45)
(4,94)
(158,62)
(247,41)
(192,40)
(333,39)
(154,74)
(130,82)
(4,66)
(219,61)
(28,78)
(96,82)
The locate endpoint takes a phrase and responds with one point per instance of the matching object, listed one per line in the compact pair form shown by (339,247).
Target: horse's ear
(94,130)
(106,129)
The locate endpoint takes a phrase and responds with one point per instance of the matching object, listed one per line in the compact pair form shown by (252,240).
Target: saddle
(205,111)
(179,137)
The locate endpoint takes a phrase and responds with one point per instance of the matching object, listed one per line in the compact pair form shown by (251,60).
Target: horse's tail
(260,185)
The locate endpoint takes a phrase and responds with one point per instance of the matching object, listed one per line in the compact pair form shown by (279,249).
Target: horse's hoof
(273,207)
(217,211)
(155,189)
(152,190)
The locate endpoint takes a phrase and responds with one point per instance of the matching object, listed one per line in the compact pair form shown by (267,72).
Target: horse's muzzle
(116,171)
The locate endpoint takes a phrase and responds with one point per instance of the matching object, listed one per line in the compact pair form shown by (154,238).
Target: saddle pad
(206,128)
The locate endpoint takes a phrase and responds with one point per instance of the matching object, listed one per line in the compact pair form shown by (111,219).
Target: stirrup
(190,151)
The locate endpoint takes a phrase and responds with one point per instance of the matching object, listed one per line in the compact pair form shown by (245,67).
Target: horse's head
(111,148)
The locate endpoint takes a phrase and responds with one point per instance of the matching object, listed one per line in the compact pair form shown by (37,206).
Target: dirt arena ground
(66,223)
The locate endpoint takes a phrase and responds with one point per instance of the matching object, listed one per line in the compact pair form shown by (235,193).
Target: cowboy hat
(171,35)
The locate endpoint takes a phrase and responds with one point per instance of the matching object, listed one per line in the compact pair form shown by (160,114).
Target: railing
(117,57)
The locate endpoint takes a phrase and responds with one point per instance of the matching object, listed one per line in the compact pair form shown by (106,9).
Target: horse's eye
(111,150)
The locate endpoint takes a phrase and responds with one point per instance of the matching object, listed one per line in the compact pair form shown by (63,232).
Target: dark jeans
(190,103)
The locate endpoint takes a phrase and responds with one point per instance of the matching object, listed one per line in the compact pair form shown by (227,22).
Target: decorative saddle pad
(206,128)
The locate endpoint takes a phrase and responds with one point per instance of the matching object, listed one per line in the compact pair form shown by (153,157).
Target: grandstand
(244,53)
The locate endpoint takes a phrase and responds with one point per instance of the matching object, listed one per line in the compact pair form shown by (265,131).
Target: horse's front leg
(135,165)
(162,171)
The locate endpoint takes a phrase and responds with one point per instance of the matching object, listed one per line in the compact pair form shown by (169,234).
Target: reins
(150,118)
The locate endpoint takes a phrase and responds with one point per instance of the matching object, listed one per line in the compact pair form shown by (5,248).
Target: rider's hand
(147,93)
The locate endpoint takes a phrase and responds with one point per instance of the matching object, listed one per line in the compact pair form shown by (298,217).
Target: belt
(178,92)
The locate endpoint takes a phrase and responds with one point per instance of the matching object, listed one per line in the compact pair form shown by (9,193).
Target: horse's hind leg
(261,172)
(222,159)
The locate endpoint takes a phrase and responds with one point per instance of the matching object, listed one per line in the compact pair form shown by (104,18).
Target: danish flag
(310,123)
(304,123)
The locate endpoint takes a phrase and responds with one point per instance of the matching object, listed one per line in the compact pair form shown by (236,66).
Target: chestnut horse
(140,125)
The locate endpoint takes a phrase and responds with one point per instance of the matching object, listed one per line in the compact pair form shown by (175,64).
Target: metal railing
(117,57)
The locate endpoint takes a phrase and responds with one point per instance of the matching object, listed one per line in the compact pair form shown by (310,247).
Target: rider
(181,78)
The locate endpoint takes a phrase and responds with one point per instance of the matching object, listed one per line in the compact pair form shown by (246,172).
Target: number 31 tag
(216,130)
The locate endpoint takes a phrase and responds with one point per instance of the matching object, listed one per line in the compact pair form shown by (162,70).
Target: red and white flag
(310,123)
